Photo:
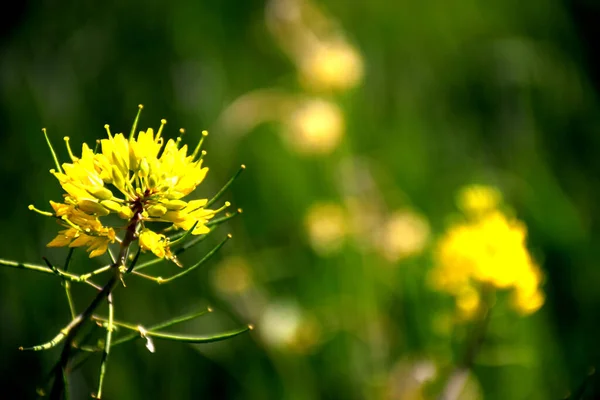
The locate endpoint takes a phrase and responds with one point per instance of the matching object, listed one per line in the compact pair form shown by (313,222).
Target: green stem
(109,331)
(54,271)
(98,271)
(58,168)
(72,330)
(58,387)
(67,285)
(177,252)
(184,236)
(225,187)
(176,337)
(39,268)
(136,334)
(219,221)
(147,264)
(193,242)
(135,260)
(211,253)
(198,339)
(135,122)
(457,380)
(156,327)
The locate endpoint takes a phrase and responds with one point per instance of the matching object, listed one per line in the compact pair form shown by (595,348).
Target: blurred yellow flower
(232,276)
(286,326)
(141,180)
(475,199)
(407,379)
(326,225)
(315,126)
(487,248)
(404,234)
(329,66)
(316,43)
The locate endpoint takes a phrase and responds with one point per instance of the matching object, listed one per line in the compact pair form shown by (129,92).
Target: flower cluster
(486,248)
(141,180)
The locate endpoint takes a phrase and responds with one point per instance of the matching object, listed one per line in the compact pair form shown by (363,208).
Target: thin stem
(135,260)
(86,355)
(457,380)
(76,324)
(162,325)
(74,327)
(52,271)
(80,347)
(109,331)
(113,260)
(146,276)
(135,122)
(225,187)
(176,337)
(66,386)
(193,242)
(184,236)
(136,334)
(94,285)
(219,221)
(177,252)
(67,285)
(58,168)
(98,271)
(48,345)
(211,253)
(148,264)
(199,146)
(199,339)
(39,268)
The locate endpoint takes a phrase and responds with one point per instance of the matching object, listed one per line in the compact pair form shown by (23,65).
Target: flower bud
(174,205)
(125,212)
(100,192)
(92,207)
(111,205)
(157,210)
(152,180)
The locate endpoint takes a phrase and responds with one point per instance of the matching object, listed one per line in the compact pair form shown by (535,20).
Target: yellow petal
(62,239)
(156,243)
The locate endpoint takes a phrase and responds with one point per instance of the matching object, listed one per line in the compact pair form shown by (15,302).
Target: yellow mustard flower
(488,248)
(83,229)
(140,179)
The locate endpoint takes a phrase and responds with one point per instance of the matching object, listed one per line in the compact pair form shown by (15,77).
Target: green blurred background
(427,96)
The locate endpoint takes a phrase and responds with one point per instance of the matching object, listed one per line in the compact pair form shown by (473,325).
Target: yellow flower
(405,233)
(474,199)
(331,65)
(488,248)
(156,243)
(327,227)
(315,126)
(141,180)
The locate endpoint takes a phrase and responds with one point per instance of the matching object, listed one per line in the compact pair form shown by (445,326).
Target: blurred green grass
(453,92)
